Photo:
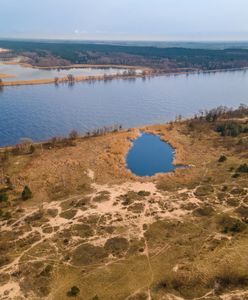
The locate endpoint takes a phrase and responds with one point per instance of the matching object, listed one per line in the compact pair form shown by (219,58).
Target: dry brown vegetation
(94,228)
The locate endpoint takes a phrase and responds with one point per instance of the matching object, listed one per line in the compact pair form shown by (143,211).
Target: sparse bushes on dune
(229,224)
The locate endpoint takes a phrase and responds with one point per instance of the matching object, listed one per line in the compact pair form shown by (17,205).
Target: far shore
(146,72)
(3,76)
(75,79)
(3,50)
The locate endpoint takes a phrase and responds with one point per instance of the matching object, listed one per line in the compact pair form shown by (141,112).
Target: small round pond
(150,155)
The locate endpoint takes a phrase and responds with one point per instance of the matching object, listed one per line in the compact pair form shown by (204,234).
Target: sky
(165,20)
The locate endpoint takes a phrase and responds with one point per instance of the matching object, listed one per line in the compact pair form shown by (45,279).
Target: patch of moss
(136,208)
(87,254)
(117,246)
(82,230)
(229,224)
(204,211)
(242,211)
(102,197)
(204,190)
(68,214)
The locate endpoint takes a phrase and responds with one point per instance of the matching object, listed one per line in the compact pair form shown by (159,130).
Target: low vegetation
(89,229)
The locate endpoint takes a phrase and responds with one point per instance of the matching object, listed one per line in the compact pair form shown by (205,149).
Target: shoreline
(126,137)
(147,72)
(4,76)
(136,132)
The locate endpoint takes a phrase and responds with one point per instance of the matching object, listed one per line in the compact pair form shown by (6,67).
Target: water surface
(44,111)
(150,155)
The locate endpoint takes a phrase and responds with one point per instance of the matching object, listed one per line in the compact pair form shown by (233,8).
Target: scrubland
(90,229)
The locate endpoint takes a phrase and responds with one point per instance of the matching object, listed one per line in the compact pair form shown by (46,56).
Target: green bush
(73,292)
(230,129)
(6,216)
(243,168)
(3,197)
(26,194)
(229,224)
(222,158)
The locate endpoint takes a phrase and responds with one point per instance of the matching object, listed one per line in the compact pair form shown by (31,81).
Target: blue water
(43,111)
(150,155)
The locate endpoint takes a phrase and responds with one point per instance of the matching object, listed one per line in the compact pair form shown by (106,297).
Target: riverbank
(126,72)
(143,72)
(72,81)
(3,76)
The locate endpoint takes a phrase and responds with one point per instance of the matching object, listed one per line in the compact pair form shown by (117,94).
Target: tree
(70,78)
(56,80)
(1,85)
(26,194)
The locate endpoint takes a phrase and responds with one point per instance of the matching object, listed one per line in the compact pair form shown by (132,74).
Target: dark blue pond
(150,155)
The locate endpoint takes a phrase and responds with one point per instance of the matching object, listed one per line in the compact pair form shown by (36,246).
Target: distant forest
(166,59)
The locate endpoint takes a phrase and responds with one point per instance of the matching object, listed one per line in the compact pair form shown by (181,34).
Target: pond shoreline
(150,155)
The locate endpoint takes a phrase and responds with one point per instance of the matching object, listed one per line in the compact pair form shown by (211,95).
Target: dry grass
(94,225)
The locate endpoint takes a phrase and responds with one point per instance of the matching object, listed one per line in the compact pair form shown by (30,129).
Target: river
(43,111)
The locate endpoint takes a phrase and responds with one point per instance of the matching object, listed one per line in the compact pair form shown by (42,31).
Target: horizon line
(126,40)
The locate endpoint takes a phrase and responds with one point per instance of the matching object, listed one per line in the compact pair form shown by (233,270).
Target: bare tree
(70,78)
(56,80)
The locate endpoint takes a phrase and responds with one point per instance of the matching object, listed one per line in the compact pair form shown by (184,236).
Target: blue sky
(125,19)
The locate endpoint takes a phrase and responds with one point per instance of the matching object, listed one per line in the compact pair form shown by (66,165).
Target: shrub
(144,193)
(73,292)
(47,271)
(73,135)
(222,158)
(243,168)
(32,149)
(26,194)
(6,216)
(228,224)
(3,197)
(204,211)
(229,129)
(242,211)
